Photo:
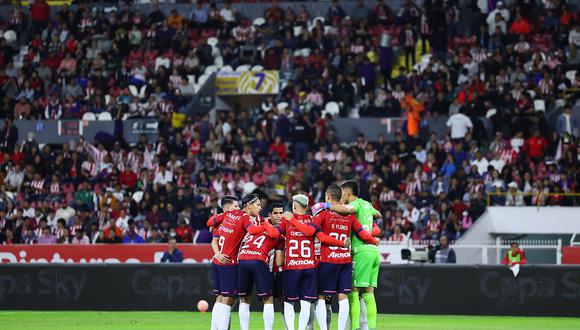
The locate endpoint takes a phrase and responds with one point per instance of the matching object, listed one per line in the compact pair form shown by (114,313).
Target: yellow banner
(226,83)
(50,2)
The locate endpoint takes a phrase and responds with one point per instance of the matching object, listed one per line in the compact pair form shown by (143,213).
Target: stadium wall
(408,289)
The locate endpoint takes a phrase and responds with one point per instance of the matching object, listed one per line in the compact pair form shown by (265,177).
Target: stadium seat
(89,116)
(135,92)
(539,105)
(259,21)
(210,69)
(490,113)
(243,68)
(202,79)
(227,68)
(297,31)
(104,116)
(318,18)
(213,41)
(137,196)
(10,36)
(331,108)
(571,75)
(257,68)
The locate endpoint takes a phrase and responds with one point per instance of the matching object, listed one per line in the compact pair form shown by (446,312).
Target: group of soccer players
(278,255)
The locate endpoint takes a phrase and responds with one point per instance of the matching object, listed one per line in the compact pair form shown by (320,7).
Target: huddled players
(277,255)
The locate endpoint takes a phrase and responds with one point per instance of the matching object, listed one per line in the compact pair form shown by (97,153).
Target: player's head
(299,204)
(349,191)
(515,246)
(230,203)
(333,193)
(251,204)
(276,211)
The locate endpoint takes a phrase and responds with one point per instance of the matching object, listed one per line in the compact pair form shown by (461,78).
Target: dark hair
(228,199)
(352,186)
(248,199)
(275,205)
(334,191)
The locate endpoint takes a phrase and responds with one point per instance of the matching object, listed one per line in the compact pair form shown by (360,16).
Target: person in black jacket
(9,136)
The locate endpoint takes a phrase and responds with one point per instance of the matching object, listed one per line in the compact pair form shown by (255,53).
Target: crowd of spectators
(85,60)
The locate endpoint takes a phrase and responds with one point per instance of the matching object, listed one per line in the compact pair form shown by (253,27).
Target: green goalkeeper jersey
(364,212)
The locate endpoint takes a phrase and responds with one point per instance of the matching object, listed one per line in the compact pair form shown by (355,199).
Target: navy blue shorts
(225,280)
(278,287)
(254,271)
(334,278)
(300,284)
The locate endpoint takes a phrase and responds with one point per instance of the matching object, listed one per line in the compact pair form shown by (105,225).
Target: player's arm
(339,208)
(363,234)
(250,227)
(272,231)
(279,258)
(331,241)
(254,229)
(377,214)
(214,221)
(306,229)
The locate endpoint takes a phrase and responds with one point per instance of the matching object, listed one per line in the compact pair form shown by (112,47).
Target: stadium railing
(491,252)
(536,199)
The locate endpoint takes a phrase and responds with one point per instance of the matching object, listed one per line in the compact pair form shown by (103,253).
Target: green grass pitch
(21,320)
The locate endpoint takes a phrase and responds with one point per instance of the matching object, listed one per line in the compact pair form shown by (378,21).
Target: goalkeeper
(365,257)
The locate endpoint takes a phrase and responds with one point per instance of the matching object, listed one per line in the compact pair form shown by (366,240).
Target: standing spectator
(360,11)
(335,12)
(536,146)
(460,126)
(445,254)
(40,14)
(173,254)
(414,109)
(300,134)
(8,136)
(408,39)
(568,123)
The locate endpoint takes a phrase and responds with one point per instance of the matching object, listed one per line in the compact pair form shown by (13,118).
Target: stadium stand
(489,66)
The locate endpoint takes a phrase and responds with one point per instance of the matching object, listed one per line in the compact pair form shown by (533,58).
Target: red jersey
(339,227)
(299,252)
(257,246)
(230,233)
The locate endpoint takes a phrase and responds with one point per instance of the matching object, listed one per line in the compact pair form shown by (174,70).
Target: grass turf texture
(194,320)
